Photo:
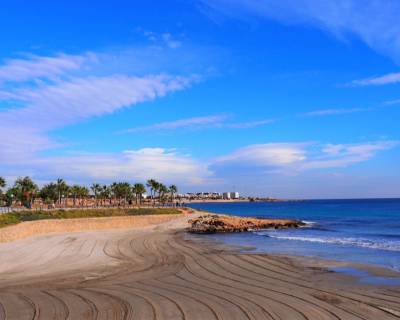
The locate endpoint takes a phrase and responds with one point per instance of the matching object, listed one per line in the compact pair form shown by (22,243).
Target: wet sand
(157,272)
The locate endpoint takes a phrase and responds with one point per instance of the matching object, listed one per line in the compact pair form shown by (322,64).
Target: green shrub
(8,219)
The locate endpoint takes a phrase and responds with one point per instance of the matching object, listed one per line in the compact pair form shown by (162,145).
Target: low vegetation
(17,217)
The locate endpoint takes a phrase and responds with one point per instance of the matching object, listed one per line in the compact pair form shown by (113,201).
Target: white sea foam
(359,242)
(309,223)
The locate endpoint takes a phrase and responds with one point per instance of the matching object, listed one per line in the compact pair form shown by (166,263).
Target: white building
(226,195)
(230,195)
(234,195)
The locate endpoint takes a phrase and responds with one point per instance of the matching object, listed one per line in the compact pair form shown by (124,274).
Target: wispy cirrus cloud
(390,78)
(192,123)
(249,124)
(374,22)
(51,106)
(37,67)
(197,123)
(332,112)
(392,102)
(42,93)
(344,155)
(55,106)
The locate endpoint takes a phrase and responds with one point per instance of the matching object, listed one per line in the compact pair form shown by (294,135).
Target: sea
(362,231)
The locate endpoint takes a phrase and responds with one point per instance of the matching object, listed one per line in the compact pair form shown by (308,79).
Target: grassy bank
(17,217)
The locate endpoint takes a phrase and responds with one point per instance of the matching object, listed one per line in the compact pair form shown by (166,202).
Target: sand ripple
(158,274)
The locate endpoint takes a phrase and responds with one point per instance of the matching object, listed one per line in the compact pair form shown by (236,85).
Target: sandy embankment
(156,273)
(41,227)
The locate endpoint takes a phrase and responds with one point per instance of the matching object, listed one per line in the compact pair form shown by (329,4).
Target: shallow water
(368,278)
(365,231)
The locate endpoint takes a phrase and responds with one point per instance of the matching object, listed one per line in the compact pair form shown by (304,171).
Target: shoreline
(37,228)
(330,265)
(156,272)
(241,200)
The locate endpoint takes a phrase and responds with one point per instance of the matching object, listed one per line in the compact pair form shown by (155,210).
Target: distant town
(210,196)
(233,196)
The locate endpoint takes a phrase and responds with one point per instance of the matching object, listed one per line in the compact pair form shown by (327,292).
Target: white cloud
(36,67)
(330,112)
(169,165)
(164,38)
(344,155)
(373,21)
(212,121)
(170,41)
(297,157)
(196,122)
(42,94)
(390,78)
(19,143)
(166,165)
(269,154)
(67,102)
(392,102)
(249,124)
(25,130)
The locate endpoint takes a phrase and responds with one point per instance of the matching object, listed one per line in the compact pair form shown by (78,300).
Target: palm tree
(104,194)
(162,190)
(49,193)
(2,185)
(25,190)
(113,189)
(75,190)
(62,189)
(173,189)
(96,188)
(83,193)
(138,189)
(152,185)
(124,191)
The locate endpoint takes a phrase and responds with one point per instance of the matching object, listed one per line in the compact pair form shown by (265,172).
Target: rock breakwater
(213,223)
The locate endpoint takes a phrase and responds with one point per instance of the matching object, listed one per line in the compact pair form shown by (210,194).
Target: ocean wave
(309,223)
(315,226)
(358,242)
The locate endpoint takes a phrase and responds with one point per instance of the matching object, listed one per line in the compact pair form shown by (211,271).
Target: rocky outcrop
(212,223)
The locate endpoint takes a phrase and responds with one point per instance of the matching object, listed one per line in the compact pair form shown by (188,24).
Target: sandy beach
(158,272)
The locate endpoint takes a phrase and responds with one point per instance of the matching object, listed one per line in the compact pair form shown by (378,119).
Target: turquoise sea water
(366,231)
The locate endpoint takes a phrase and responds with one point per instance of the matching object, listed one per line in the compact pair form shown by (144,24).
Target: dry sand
(157,273)
(39,227)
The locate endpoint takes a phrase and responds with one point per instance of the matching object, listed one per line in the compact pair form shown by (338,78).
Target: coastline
(157,272)
(241,200)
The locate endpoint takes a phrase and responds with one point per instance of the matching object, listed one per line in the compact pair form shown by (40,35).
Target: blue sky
(280,98)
